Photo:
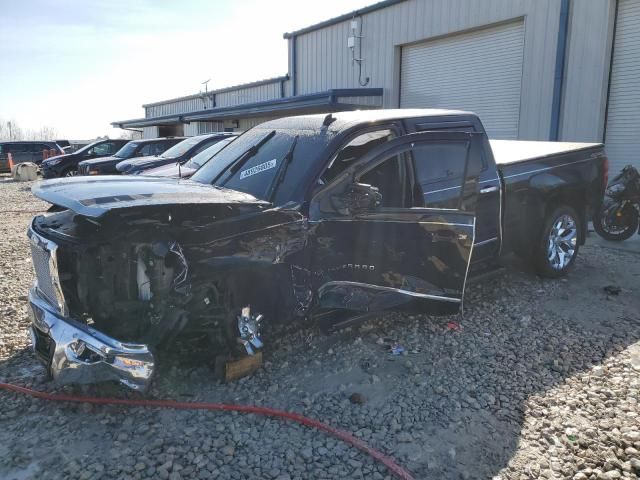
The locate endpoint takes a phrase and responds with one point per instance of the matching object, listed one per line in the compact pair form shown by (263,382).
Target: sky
(78,65)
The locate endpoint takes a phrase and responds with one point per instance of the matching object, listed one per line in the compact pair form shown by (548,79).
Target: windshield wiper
(242,159)
(283,170)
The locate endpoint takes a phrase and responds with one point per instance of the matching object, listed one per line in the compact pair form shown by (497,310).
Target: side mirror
(361,197)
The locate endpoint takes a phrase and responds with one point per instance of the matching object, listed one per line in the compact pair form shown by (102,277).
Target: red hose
(269,412)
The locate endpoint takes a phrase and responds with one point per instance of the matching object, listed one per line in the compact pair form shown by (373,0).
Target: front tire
(557,247)
(70,172)
(618,233)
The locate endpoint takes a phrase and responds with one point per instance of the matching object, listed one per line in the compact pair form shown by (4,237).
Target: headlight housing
(51,163)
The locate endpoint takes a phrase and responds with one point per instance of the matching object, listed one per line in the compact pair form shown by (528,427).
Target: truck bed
(507,152)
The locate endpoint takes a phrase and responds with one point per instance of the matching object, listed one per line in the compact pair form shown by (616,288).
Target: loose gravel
(538,379)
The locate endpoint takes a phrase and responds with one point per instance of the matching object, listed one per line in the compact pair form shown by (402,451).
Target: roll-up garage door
(622,140)
(479,71)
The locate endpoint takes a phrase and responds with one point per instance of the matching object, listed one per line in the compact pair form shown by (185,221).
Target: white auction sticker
(258,168)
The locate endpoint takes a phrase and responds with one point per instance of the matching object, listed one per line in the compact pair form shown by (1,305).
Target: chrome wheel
(563,239)
(71,173)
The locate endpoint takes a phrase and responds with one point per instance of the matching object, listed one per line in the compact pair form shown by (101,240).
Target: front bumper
(76,353)
(50,171)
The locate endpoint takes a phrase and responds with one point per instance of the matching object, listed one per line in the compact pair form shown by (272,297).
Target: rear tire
(558,244)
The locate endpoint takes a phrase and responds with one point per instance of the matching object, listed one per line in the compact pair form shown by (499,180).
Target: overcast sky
(77,65)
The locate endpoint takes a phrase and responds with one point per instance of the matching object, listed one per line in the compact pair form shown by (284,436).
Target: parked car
(67,165)
(179,153)
(25,151)
(357,211)
(133,149)
(190,167)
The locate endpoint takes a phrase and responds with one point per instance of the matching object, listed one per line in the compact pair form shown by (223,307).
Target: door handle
(489,189)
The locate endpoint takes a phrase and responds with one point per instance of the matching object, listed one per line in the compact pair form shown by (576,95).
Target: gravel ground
(540,380)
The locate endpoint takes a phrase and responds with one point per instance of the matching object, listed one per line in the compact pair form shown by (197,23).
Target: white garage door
(479,71)
(623,119)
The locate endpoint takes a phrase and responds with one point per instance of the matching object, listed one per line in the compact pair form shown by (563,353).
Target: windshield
(87,147)
(205,155)
(181,148)
(259,168)
(126,151)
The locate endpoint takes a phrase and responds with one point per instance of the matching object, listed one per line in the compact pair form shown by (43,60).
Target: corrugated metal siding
(150,132)
(588,57)
(364,101)
(247,123)
(623,122)
(324,61)
(181,106)
(480,71)
(241,96)
(200,128)
(258,93)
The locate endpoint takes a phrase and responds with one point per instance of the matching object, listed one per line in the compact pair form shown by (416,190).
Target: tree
(131,135)
(11,130)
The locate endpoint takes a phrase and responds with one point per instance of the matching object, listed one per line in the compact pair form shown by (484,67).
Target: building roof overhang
(328,101)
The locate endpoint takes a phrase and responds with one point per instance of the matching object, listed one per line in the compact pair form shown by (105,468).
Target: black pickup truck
(356,211)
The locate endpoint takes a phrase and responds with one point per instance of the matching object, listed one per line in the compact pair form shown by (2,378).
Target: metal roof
(257,83)
(316,102)
(342,18)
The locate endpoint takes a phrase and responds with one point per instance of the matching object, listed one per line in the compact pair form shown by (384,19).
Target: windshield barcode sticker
(258,168)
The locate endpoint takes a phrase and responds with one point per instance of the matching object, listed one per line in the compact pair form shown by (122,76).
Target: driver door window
(146,150)
(390,179)
(354,150)
(102,150)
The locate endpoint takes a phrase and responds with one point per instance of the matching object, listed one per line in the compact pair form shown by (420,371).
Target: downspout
(294,69)
(558,81)
(613,50)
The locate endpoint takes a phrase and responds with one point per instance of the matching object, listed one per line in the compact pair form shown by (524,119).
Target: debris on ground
(397,349)
(612,290)
(357,398)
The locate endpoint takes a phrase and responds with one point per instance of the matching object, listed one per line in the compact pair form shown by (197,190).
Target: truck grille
(83,169)
(43,254)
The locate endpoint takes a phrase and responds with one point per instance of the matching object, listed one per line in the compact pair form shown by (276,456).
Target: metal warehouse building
(532,69)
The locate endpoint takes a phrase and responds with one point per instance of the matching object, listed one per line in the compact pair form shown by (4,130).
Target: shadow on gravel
(454,405)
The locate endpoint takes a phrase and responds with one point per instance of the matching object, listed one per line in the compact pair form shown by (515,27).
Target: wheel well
(575,200)
(267,290)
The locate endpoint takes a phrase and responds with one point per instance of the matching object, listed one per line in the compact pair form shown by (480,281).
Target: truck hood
(170,170)
(61,157)
(96,196)
(142,163)
(101,161)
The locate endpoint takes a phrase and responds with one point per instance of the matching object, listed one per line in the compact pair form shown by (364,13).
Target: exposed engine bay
(143,282)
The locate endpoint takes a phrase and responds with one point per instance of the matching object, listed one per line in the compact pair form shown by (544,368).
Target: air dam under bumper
(76,353)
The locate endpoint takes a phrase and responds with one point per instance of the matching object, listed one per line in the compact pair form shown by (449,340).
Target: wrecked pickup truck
(355,211)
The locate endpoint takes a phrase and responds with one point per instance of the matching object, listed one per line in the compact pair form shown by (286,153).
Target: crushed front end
(72,350)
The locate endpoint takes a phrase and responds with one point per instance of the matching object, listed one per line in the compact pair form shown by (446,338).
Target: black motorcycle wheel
(625,228)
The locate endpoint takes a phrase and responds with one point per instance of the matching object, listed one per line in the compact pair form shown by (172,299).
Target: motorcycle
(619,216)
